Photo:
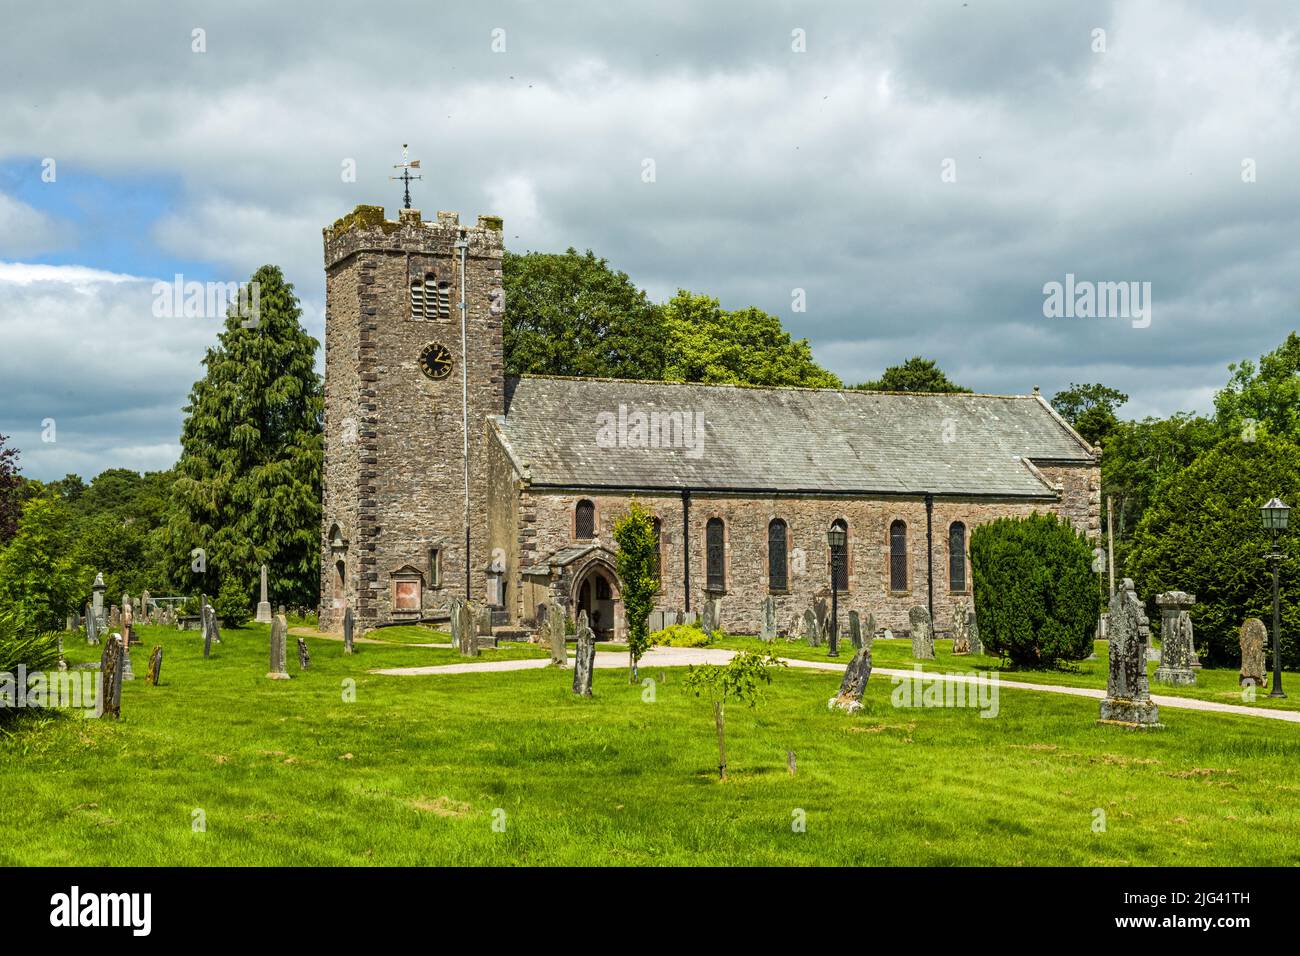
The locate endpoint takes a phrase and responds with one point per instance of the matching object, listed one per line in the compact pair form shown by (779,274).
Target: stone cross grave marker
(1177,644)
(1254,637)
(922,633)
(1128,696)
(586,657)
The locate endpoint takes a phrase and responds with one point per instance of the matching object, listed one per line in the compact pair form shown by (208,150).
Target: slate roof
(790,440)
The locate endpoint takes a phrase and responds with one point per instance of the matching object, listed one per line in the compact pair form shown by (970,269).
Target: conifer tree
(248,483)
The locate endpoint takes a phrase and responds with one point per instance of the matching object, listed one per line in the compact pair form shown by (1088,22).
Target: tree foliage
(637,567)
(1266,395)
(248,483)
(1203,533)
(917,374)
(741,679)
(571,314)
(1090,409)
(11,492)
(1035,591)
(744,347)
(40,579)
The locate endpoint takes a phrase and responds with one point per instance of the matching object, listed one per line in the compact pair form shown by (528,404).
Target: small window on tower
(430,299)
(417,299)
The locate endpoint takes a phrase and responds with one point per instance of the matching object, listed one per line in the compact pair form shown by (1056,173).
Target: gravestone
(586,658)
(110,678)
(145,615)
(855,630)
(97,601)
(485,622)
(854,684)
(709,619)
(1176,639)
(822,611)
(973,632)
(1254,638)
(869,631)
(767,627)
(811,629)
(128,625)
(214,625)
(263,615)
(349,625)
(922,633)
(453,621)
(304,659)
(960,630)
(128,673)
(279,636)
(689,618)
(92,628)
(555,622)
(205,613)
(1128,696)
(114,617)
(155,665)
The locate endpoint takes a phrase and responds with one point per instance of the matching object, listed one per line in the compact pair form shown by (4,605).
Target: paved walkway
(683,656)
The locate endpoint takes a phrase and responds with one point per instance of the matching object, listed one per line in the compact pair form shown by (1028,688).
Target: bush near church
(1035,591)
(1203,533)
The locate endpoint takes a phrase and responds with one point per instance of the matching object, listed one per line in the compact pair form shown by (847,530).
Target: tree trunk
(720,719)
(631,664)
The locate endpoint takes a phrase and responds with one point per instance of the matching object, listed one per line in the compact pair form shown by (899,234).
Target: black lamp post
(837,538)
(1275,519)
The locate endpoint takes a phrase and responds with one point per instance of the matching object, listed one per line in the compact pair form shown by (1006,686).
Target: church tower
(410,383)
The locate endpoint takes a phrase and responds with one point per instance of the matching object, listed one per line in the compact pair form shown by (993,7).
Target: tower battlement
(366,229)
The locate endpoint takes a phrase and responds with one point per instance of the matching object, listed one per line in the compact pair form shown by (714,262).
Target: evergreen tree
(917,374)
(11,492)
(248,483)
(40,579)
(638,571)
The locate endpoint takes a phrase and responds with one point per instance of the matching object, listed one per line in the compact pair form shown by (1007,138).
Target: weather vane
(406,165)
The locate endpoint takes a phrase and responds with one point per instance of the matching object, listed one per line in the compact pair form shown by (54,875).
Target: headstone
(1176,640)
(304,659)
(811,629)
(145,614)
(92,627)
(97,601)
(689,618)
(128,625)
(263,615)
(922,633)
(1128,696)
(555,621)
(215,626)
(586,658)
(855,630)
(822,612)
(1254,638)
(767,627)
(467,639)
(127,672)
(205,613)
(110,678)
(709,619)
(114,617)
(854,684)
(485,622)
(960,630)
(973,632)
(279,637)
(349,625)
(155,665)
(869,631)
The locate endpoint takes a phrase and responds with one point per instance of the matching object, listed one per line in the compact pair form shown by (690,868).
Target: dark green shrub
(1202,533)
(1035,591)
(232,602)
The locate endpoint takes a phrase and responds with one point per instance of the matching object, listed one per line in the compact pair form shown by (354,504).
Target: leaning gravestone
(973,632)
(155,665)
(215,626)
(960,630)
(1128,696)
(555,623)
(767,627)
(1176,640)
(349,624)
(586,657)
(922,633)
(855,630)
(205,612)
(279,637)
(811,630)
(1254,636)
(854,684)
(110,678)
(304,659)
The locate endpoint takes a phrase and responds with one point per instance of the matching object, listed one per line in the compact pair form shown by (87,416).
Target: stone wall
(408,492)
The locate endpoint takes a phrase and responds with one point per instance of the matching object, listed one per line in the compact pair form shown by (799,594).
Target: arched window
(777,563)
(584,520)
(430,299)
(840,557)
(716,555)
(957,557)
(898,556)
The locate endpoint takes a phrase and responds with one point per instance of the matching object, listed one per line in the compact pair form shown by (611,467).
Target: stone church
(444,477)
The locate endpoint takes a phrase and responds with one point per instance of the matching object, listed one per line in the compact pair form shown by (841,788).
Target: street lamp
(1275,515)
(837,537)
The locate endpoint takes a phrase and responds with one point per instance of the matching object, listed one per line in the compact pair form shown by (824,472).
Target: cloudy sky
(921,170)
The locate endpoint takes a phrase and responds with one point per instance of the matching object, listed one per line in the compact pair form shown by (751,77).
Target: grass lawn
(1222,685)
(417,769)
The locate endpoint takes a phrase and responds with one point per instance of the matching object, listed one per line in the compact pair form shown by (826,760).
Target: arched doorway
(596,591)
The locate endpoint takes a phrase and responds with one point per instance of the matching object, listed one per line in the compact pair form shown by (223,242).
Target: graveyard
(217,765)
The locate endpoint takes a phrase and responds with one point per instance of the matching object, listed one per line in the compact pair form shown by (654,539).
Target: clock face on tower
(435,361)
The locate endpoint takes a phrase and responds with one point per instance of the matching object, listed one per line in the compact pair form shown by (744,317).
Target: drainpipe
(463,245)
(929,555)
(686,543)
